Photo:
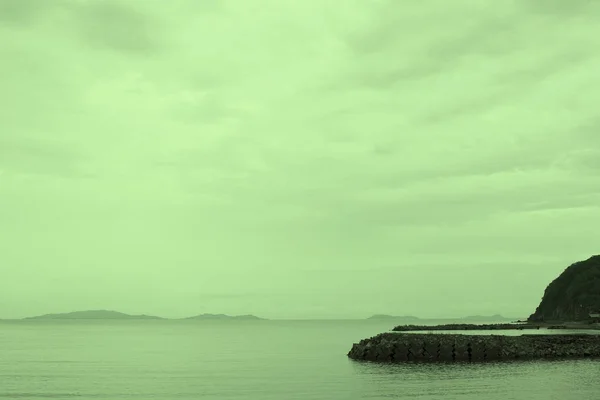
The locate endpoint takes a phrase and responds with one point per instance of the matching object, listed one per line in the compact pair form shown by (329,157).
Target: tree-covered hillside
(573,295)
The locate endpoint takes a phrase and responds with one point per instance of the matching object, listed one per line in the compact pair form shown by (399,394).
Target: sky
(296,158)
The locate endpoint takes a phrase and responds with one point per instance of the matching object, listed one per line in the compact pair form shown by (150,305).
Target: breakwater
(465,327)
(432,347)
(491,327)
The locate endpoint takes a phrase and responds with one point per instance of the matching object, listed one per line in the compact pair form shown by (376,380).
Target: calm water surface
(252,360)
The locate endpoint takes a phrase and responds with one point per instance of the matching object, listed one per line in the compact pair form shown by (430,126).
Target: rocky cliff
(573,295)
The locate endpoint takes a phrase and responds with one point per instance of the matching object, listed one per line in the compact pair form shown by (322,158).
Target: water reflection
(498,380)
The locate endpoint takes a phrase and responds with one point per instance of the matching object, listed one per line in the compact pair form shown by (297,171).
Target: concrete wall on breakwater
(464,327)
(399,347)
(489,327)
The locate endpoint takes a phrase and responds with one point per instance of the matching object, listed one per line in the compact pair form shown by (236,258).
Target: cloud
(279,136)
(452,201)
(17,12)
(582,161)
(36,156)
(117,26)
(393,30)
(560,9)
(108,24)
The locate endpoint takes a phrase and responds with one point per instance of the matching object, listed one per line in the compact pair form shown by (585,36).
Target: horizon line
(253,316)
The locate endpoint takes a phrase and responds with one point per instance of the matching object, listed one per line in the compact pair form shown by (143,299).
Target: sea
(262,360)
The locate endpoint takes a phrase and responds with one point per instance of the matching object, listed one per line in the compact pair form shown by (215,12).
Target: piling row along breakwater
(435,347)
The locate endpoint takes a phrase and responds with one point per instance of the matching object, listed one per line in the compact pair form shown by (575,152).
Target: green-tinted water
(251,360)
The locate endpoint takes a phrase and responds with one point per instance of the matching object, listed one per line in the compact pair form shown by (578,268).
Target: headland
(571,302)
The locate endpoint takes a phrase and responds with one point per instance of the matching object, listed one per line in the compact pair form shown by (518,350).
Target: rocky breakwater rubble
(433,347)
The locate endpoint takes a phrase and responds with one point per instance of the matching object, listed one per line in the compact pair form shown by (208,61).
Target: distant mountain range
(93,314)
(411,319)
(115,315)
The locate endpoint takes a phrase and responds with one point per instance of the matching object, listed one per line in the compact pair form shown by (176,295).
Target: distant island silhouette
(115,315)
(94,314)
(224,316)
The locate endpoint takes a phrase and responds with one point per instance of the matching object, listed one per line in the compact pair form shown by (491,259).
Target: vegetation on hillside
(573,295)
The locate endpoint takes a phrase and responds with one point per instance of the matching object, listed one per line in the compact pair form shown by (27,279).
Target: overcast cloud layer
(296,159)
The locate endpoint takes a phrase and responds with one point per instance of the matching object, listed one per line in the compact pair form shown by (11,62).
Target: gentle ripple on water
(252,360)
